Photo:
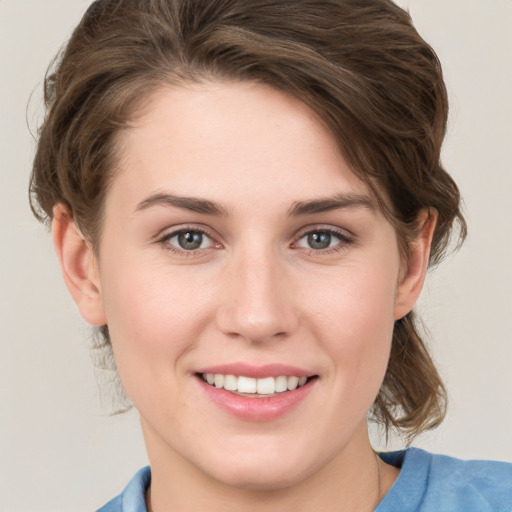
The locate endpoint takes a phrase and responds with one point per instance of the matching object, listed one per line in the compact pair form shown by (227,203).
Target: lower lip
(257,409)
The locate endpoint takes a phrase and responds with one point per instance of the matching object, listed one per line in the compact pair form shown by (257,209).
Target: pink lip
(257,372)
(255,409)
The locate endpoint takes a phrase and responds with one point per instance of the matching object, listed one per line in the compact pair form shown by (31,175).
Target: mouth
(251,387)
(256,393)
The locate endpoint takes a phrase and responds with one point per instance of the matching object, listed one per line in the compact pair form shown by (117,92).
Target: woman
(245,198)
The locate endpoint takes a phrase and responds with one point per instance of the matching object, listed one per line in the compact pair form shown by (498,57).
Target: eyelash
(165,241)
(344,240)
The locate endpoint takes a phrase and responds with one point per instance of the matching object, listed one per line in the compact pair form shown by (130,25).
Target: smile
(259,398)
(249,386)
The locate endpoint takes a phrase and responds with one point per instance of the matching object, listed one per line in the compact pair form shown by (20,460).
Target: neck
(355,480)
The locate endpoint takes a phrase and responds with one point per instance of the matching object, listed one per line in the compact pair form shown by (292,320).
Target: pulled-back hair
(361,66)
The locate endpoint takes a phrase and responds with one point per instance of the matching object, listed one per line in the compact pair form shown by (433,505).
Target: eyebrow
(193,204)
(299,208)
(337,202)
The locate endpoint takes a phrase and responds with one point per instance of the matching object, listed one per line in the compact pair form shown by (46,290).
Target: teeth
(219,380)
(266,386)
(230,383)
(248,385)
(281,384)
(293,382)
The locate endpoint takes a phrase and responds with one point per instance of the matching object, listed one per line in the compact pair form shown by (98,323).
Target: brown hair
(361,66)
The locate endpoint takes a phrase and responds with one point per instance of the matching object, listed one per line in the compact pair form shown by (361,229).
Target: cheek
(356,301)
(153,315)
(354,323)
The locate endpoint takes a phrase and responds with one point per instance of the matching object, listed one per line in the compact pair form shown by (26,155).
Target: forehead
(236,144)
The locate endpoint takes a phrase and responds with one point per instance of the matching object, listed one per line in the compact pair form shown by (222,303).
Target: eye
(188,240)
(322,239)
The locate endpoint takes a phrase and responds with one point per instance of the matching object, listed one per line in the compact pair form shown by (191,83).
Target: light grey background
(60,451)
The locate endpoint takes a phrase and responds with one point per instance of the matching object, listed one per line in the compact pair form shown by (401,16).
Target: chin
(262,471)
(261,479)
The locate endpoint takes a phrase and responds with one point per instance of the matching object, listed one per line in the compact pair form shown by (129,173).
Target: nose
(257,301)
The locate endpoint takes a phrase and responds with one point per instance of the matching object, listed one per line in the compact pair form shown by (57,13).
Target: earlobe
(78,265)
(412,279)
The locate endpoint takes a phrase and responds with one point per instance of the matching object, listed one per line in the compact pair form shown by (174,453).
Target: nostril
(257,313)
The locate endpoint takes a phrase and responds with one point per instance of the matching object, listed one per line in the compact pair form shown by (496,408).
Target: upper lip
(256,371)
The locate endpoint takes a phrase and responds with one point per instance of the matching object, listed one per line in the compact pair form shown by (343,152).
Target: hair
(361,66)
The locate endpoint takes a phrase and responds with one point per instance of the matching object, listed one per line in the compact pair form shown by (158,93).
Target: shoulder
(133,498)
(436,482)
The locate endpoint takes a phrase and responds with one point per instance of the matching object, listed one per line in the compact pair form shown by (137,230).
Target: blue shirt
(427,483)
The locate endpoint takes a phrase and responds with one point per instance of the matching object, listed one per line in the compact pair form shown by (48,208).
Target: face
(249,283)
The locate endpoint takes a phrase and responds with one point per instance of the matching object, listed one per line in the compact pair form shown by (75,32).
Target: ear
(78,265)
(413,275)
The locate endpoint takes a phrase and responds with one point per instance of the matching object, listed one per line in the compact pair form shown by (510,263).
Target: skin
(256,291)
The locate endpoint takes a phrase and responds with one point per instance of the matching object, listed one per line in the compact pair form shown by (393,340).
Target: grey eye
(319,240)
(190,240)
(322,239)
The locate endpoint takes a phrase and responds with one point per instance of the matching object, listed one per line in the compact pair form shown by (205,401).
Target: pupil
(319,240)
(190,240)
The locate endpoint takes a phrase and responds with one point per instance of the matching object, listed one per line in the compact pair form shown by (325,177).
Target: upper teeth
(265,386)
